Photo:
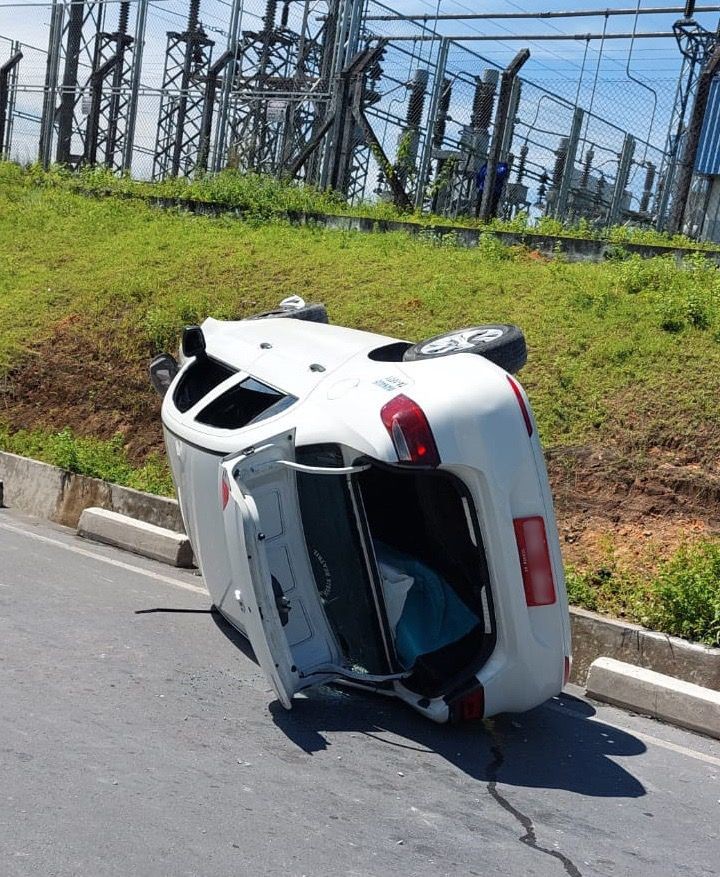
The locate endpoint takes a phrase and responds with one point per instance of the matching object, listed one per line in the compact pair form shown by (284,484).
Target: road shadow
(557,746)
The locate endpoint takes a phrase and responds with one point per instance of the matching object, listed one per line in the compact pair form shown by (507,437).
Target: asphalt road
(137,737)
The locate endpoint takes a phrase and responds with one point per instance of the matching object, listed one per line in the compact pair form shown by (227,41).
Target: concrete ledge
(654,694)
(594,636)
(139,537)
(572,248)
(57,495)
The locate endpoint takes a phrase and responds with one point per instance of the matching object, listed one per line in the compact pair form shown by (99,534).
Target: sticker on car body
(391,382)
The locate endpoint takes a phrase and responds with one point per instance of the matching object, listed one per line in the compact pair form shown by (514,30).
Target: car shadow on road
(556,746)
(559,745)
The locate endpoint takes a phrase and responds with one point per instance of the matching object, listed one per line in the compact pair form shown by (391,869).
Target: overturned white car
(370,511)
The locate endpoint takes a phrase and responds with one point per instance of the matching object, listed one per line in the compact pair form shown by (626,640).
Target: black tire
(315,313)
(500,343)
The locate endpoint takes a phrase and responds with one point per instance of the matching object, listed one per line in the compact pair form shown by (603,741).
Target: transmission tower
(110,95)
(272,110)
(185,78)
(91,84)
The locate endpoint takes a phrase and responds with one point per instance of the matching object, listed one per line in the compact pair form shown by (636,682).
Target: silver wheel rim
(456,342)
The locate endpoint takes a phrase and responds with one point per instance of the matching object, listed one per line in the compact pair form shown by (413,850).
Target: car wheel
(313,313)
(500,343)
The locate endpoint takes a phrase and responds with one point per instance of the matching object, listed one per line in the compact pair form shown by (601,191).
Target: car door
(250,602)
(276,602)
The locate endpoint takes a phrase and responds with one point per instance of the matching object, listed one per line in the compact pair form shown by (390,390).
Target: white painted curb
(654,694)
(136,536)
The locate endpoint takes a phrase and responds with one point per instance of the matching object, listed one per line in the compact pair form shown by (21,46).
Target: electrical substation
(377,104)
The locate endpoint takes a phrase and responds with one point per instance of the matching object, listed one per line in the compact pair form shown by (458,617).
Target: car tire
(499,342)
(314,313)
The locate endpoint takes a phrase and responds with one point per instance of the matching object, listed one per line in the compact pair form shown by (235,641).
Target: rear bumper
(488,447)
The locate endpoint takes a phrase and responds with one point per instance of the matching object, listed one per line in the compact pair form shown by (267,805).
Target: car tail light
(567,669)
(522,403)
(535,561)
(224,491)
(470,706)
(408,427)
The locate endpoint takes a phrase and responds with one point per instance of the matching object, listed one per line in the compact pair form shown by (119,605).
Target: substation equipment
(312,92)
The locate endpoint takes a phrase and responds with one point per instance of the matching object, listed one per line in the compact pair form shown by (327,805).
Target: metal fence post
(5,101)
(435,100)
(138,46)
(561,199)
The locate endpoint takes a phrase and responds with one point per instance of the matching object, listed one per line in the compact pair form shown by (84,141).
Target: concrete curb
(139,537)
(656,695)
(595,636)
(52,493)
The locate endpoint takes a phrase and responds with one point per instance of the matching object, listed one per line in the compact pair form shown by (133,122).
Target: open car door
(272,596)
(251,602)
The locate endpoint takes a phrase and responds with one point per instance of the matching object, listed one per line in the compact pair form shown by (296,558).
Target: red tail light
(522,403)
(469,707)
(408,427)
(535,561)
(224,491)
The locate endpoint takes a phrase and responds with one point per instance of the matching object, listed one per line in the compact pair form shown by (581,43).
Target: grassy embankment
(624,356)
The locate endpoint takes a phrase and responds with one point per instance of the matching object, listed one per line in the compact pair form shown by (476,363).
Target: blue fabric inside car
(433,615)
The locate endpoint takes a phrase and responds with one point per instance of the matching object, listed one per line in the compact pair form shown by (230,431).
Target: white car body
(324,446)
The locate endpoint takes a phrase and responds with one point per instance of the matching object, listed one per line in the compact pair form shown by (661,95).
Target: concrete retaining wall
(60,496)
(573,249)
(595,636)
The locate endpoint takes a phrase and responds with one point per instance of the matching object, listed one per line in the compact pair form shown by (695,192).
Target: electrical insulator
(416,103)
(193,15)
(560,159)
(542,189)
(123,17)
(587,167)
(650,171)
(483,105)
(442,114)
(269,17)
(522,160)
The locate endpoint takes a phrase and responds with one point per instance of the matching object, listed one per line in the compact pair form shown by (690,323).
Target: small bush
(684,597)
(96,458)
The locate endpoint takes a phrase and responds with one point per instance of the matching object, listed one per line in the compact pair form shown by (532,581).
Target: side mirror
(193,341)
(162,371)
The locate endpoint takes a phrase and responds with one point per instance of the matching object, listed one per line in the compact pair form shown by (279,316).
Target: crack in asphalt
(530,836)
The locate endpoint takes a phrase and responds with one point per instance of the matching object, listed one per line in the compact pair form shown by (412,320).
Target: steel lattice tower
(74,28)
(91,84)
(185,77)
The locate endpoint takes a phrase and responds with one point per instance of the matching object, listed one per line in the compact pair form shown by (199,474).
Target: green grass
(263,197)
(681,597)
(624,355)
(89,456)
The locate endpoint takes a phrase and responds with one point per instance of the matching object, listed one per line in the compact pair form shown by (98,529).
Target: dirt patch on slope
(608,501)
(638,509)
(97,389)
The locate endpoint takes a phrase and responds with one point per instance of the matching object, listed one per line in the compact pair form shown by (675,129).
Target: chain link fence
(317,90)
